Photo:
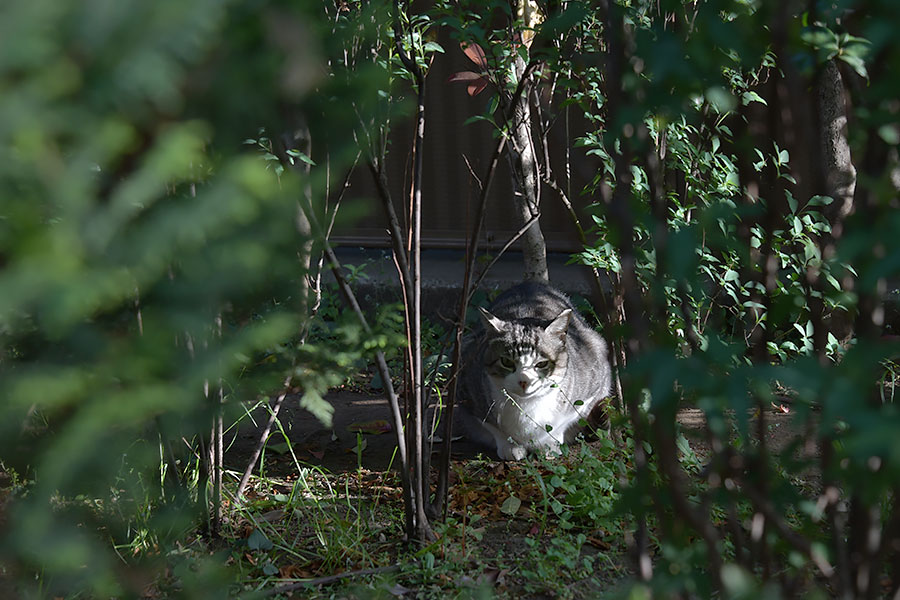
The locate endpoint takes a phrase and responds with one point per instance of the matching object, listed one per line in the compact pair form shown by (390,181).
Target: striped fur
(532,372)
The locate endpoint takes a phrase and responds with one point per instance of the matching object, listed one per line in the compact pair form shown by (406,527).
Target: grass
(317,524)
(341,533)
(542,527)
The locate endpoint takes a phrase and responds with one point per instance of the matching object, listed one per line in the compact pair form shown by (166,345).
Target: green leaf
(722,100)
(792,203)
(510,506)
(476,118)
(750,96)
(302,157)
(737,581)
(890,134)
(258,541)
(321,409)
(820,201)
(278,448)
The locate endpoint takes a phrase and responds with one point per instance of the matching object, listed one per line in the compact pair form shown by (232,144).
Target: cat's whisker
(531,339)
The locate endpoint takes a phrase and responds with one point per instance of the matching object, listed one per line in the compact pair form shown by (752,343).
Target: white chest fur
(533,420)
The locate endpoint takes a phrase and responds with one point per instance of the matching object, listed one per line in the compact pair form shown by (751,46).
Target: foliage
(149,283)
(146,257)
(732,268)
(581,490)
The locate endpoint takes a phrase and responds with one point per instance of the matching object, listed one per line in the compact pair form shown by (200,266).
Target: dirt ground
(361,433)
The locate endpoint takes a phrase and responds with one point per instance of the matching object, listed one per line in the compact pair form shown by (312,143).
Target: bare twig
(512,240)
(440,502)
(384,372)
(800,543)
(620,217)
(299,585)
(471,253)
(472,171)
(606,311)
(261,442)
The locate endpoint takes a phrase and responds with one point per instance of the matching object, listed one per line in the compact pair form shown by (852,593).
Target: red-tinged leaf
(374,427)
(475,54)
(465,76)
(477,82)
(534,530)
(476,87)
(320,454)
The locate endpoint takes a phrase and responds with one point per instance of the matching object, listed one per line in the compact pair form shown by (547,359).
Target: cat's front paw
(511,452)
(553,450)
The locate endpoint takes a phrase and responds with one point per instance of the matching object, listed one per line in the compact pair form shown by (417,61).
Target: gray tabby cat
(530,373)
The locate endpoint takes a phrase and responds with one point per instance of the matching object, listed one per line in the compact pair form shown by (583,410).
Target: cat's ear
(560,324)
(491,323)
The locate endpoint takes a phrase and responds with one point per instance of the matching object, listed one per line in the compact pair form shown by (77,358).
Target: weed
(316,525)
(552,566)
(579,490)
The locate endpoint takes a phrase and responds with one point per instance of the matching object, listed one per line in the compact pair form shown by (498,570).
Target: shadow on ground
(361,434)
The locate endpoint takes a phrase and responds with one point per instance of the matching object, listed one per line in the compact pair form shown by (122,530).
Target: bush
(147,266)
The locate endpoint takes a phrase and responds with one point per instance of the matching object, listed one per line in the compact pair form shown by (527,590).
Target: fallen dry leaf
(598,543)
(272,515)
(493,576)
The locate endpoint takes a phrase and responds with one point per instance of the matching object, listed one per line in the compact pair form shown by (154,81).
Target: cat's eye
(542,364)
(507,363)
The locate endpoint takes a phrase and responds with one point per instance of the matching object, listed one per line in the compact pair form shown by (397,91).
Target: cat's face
(525,359)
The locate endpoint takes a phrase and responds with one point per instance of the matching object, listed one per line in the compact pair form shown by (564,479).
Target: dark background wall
(450,192)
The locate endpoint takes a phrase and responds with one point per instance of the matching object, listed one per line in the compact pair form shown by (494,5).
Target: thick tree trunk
(838,175)
(527,185)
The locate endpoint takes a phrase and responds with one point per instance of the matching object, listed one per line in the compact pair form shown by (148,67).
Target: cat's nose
(524,385)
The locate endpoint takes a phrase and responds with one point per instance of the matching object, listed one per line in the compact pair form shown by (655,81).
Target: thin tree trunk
(216,452)
(629,300)
(309,283)
(527,181)
(422,462)
(837,175)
